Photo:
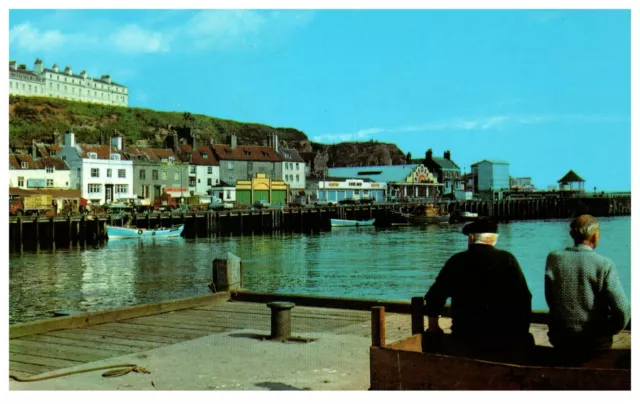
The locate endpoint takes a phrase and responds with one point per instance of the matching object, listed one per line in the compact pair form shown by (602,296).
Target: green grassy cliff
(38,118)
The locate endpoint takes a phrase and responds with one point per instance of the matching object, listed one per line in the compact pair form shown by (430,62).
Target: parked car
(347,201)
(323,202)
(367,201)
(261,204)
(219,204)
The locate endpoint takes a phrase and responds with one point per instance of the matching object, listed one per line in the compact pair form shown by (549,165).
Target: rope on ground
(118,370)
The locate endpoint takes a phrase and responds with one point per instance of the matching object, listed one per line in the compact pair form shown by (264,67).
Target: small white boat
(114,232)
(351,223)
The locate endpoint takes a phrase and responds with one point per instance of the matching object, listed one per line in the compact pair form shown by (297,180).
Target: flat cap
(482,225)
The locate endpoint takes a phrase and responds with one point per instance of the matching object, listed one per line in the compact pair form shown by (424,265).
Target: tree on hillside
(409,158)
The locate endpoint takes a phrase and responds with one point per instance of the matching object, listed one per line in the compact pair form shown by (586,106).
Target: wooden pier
(59,343)
(64,231)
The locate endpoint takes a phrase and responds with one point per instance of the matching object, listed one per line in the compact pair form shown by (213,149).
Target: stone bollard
(280,320)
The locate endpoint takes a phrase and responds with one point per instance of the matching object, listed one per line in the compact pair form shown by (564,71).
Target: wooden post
(69,228)
(378,332)
(83,229)
(417,315)
(20,233)
(53,231)
(148,220)
(195,224)
(37,223)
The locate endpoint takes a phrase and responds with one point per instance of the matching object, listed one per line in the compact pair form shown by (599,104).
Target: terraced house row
(105,173)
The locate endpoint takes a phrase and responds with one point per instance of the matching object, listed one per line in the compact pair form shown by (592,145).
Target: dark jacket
(489,294)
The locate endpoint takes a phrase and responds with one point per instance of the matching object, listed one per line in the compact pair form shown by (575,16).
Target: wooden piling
(378,327)
(417,317)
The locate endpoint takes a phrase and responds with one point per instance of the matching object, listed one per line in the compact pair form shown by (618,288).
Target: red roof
(103,152)
(16,161)
(198,155)
(247,153)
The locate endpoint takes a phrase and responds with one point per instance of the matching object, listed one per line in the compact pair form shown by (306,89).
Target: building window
(209,182)
(228,194)
(143,174)
(49,182)
(95,172)
(24,164)
(52,152)
(192,169)
(192,181)
(122,173)
(176,175)
(297,166)
(230,165)
(108,173)
(164,175)
(20,181)
(49,169)
(115,156)
(92,155)
(93,188)
(209,170)
(154,174)
(121,188)
(205,156)
(297,177)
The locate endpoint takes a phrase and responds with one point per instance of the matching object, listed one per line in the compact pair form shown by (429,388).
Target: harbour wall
(35,232)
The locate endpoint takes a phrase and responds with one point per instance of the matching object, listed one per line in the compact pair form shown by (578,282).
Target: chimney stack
(33,150)
(55,67)
(447,155)
(37,66)
(12,65)
(234,141)
(429,154)
(68,70)
(116,141)
(69,139)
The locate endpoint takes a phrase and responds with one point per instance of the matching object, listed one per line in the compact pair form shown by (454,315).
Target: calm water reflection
(393,264)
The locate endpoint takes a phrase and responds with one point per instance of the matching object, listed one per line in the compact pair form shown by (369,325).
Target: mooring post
(378,331)
(417,315)
(280,320)
(195,224)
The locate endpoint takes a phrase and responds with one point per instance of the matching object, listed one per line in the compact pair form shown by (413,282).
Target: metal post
(280,320)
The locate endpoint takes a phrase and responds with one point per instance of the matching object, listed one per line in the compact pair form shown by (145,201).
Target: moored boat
(427,214)
(351,223)
(114,232)
(464,217)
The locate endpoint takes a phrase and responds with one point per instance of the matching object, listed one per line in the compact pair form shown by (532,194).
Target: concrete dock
(208,343)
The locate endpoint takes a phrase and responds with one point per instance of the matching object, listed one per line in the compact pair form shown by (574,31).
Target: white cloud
(29,38)
(347,137)
(467,124)
(222,29)
(134,39)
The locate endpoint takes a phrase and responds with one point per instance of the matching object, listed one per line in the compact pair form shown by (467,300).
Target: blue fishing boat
(114,232)
(351,223)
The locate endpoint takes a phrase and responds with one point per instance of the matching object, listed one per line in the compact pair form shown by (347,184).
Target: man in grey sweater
(587,305)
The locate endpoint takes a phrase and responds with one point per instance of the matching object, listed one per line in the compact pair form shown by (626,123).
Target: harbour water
(389,264)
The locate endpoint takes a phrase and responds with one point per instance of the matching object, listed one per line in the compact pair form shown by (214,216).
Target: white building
(105,173)
(27,172)
(204,168)
(293,170)
(338,189)
(52,82)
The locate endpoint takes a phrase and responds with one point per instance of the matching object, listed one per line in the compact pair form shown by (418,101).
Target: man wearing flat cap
(490,299)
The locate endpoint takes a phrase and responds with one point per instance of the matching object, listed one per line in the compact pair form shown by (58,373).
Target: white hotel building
(43,82)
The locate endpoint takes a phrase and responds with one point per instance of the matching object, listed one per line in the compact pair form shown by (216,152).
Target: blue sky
(547,90)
